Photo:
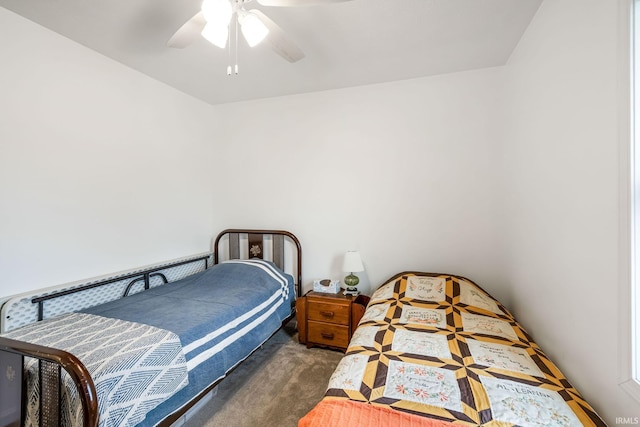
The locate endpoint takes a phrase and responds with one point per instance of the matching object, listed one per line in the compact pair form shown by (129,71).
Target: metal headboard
(247,243)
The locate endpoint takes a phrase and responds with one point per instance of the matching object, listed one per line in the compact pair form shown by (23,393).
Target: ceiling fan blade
(189,32)
(278,39)
(294,3)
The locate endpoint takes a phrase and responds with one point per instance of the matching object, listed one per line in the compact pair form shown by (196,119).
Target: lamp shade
(217,11)
(218,14)
(253,29)
(216,33)
(352,262)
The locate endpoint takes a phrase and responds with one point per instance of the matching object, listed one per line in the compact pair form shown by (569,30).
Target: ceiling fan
(214,21)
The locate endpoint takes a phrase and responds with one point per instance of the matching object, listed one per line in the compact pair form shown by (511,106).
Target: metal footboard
(51,362)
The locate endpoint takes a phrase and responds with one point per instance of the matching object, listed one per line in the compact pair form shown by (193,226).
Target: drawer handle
(327,335)
(328,314)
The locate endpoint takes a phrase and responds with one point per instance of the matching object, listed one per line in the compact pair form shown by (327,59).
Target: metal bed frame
(52,361)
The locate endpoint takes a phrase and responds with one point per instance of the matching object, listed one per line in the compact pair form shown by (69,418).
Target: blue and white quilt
(150,353)
(221,316)
(134,367)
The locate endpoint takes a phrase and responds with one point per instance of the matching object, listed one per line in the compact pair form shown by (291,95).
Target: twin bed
(436,350)
(146,358)
(431,349)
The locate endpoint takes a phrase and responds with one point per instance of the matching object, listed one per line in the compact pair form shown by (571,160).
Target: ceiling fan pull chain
(236,70)
(229,50)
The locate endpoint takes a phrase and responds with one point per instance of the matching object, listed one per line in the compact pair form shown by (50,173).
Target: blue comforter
(221,316)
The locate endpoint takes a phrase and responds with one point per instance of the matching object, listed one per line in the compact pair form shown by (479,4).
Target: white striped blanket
(135,367)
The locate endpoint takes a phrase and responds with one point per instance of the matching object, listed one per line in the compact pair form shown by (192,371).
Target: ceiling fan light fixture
(218,11)
(216,33)
(253,29)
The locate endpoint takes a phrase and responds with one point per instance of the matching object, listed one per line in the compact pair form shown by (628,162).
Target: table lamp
(352,264)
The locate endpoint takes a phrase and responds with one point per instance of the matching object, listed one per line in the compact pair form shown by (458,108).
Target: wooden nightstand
(328,319)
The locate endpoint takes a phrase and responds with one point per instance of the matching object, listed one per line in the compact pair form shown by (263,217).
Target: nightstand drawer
(329,312)
(327,334)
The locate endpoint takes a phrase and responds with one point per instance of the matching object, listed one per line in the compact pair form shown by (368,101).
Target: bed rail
(27,308)
(144,275)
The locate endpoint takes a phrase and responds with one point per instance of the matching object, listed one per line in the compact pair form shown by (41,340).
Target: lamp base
(351,281)
(352,290)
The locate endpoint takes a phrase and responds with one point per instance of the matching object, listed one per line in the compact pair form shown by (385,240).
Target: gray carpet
(274,387)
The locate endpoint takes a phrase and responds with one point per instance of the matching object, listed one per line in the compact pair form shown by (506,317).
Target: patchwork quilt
(134,367)
(438,346)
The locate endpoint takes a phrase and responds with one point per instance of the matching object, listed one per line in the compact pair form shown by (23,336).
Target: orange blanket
(341,413)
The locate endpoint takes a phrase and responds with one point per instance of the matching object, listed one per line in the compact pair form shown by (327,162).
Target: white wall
(561,194)
(506,175)
(405,172)
(101,168)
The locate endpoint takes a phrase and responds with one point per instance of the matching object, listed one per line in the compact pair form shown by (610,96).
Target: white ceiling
(346,44)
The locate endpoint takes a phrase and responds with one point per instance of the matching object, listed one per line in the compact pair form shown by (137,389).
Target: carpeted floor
(274,387)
